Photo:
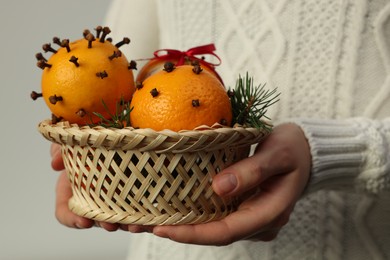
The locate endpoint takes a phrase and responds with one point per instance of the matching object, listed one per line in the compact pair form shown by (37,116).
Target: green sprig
(250,103)
(249,106)
(119,119)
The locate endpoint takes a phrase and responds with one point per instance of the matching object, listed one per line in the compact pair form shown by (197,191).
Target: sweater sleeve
(349,154)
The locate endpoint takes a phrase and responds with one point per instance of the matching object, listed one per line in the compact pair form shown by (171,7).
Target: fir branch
(120,119)
(250,103)
(249,106)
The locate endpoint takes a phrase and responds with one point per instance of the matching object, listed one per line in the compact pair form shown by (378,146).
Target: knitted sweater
(330,59)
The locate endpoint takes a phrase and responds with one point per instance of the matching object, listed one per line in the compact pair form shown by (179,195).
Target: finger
(108,226)
(266,236)
(124,227)
(269,233)
(135,229)
(245,174)
(62,212)
(218,233)
(140,228)
(258,213)
(56,158)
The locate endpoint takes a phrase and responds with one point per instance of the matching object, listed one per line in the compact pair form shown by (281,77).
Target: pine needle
(250,103)
(120,119)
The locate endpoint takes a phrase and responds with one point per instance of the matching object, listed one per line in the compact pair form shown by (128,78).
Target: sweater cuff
(337,149)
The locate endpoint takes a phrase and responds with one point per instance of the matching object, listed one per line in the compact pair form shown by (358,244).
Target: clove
(34,95)
(102,74)
(81,113)
(43,64)
(105,31)
(139,85)
(132,65)
(65,43)
(195,103)
(57,41)
(39,56)
(116,54)
(230,93)
(124,41)
(54,99)
(169,66)
(47,47)
(74,60)
(90,38)
(98,30)
(223,122)
(154,92)
(197,69)
(86,32)
(55,119)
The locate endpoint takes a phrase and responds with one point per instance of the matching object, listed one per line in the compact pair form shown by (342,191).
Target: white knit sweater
(330,59)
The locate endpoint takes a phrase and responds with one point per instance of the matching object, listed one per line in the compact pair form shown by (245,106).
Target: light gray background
(28,228)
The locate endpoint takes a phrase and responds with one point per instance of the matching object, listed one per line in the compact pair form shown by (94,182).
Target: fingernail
(160,233)
(227,183)
(78,225)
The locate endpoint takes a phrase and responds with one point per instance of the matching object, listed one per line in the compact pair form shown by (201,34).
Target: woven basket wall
(140,176)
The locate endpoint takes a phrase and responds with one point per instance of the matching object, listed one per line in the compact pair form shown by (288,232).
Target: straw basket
(140,176)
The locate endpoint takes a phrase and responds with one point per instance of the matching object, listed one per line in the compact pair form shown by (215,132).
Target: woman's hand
(64,193)
(272,180)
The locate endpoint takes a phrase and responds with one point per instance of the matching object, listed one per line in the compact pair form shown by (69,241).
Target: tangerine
(157,64)
(180,98)
(85,77)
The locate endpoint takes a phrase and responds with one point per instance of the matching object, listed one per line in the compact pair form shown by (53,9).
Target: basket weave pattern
(139,176)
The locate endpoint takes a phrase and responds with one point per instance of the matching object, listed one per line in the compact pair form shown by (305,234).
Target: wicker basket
(140,176)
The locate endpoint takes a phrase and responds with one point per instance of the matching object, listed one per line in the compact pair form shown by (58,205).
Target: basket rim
(202,138)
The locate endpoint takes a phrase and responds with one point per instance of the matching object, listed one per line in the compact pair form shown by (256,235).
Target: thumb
(275,155)
(240,177)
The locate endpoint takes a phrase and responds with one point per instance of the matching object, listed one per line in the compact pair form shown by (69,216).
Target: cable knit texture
(330,59)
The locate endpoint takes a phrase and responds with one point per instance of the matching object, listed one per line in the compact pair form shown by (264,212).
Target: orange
(155,65)
(74,90)
(180,100)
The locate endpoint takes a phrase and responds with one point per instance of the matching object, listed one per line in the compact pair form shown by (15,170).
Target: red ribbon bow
(181,56)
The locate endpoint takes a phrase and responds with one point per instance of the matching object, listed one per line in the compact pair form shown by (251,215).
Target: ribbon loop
(181,56)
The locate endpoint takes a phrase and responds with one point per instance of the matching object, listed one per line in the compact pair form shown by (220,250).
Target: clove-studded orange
(84,77)
(155,65)
(180,98)
(197,55)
